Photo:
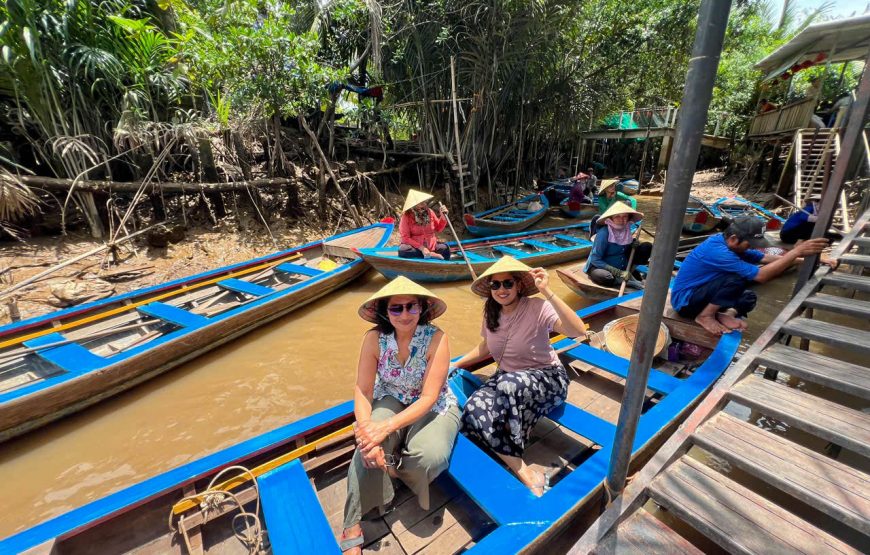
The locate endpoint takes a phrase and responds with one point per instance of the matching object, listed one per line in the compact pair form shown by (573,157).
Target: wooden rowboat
(478,505)
(508,218)
(739,206)
(539,247)
(700,217)
(574,209)
(59,363)
(579,282)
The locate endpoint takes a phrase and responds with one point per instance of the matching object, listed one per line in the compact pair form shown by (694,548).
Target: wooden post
(456,132)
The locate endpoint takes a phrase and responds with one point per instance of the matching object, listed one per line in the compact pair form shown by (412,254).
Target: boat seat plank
(834,334)
(571,238)
(642,534)
(542,245)
(862,242)
(855,259)
(842,425)
(736,518)
(813,367)
(510,251)
(173,315)
(294,517)
(290,268)
(505,219)
(658,381)
(474,257)
(848,281)
(241,286)
(842,305)
(834,488)
(501,495)
(72,357)
(584,423)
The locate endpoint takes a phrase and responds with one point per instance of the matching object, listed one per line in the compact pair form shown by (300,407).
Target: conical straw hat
(414,198)
(621,208)
(606,184)
(401,286)
(619,336)
(505,264)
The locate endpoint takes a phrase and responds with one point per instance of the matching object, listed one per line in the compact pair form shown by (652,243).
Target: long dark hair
(386,327)
(492,308)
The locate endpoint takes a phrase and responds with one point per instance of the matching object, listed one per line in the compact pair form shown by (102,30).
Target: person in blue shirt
(607,264)
(800,224)
(712,285)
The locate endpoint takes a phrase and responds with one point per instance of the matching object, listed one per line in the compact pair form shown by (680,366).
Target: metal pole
(712,21)
(850,149)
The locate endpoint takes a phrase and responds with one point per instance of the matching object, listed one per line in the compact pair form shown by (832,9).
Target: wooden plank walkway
(777,458)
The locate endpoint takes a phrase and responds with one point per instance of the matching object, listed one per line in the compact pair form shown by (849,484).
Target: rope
(212,498)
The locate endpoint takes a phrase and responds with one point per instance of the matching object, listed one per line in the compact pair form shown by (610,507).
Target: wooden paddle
(459,243)
(630,260)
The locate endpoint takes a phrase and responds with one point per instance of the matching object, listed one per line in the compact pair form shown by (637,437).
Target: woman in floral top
(407,417)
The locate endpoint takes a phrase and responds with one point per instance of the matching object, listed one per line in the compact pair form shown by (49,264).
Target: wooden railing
(788,118)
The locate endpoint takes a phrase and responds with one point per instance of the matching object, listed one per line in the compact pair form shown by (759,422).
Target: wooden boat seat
(173,315)
(473,257)
(245,287)
(506,218)
(658,381)
(541,244)
(509,250)
(573,239)
(294,517)
(290,268)
(72,357)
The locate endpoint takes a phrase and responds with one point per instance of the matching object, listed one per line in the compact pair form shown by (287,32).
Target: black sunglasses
(398,309)
(495,284)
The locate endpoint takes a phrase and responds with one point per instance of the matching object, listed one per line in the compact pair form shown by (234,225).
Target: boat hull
(577,210)
(32,406)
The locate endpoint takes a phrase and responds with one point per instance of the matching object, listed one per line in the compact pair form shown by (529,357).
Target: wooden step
(813,367)
(849,281)
(736,518)
(855,259)
(840,305)
(862,242)
(831,421)
(835,489)
(832,334)
(642,534)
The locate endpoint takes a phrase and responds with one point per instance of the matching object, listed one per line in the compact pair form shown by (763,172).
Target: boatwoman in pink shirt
(529,381)
(418,227)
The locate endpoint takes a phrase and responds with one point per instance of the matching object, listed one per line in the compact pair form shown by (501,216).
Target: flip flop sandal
(350,543)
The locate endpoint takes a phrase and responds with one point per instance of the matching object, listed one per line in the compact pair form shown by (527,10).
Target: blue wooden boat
(700,217)
(739,206)
(577,210)
(557,190)
(539,247)
(483,508)
(61,362)
(508,218)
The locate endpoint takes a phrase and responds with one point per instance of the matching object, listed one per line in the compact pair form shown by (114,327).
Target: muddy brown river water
(291,368)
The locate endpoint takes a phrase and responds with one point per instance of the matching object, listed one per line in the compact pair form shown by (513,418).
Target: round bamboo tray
(620,333)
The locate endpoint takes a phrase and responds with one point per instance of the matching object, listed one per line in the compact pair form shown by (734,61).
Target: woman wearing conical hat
(418,228)
(530,381)
(607,264)
(607,195)
(407,417)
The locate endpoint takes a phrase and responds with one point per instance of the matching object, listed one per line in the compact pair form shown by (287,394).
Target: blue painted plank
(474,257)
(510,539)
(72,357)
(174,315)
(490,485)
(294,517)
(241,286)
(588,425)
(510,251)
(543,245)
(290,268)
(658,381)
(505,219)
(577,240)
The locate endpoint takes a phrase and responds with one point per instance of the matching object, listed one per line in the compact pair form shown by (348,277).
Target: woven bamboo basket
(620,333)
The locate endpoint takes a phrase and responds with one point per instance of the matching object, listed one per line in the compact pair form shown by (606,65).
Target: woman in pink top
(418,227)
(530,381)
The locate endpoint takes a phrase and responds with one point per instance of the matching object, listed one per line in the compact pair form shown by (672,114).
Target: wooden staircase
(811,148)
(757,467)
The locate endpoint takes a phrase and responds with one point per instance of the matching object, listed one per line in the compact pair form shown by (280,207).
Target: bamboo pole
(456,136)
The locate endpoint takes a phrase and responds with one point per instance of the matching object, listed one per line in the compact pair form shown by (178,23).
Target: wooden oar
(459,243)
(630,260)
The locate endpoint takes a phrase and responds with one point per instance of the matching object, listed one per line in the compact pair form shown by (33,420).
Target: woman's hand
(542,280)
(374,459)
(371,434)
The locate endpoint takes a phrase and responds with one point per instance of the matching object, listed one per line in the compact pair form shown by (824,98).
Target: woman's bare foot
(731,322)
(711,324)
(533,480)
(351,540)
